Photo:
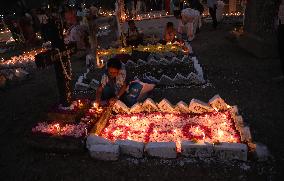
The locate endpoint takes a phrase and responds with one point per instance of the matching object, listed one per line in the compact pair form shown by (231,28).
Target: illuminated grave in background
(214,127)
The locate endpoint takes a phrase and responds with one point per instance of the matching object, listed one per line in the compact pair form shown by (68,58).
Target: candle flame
(220,133)
(95,105)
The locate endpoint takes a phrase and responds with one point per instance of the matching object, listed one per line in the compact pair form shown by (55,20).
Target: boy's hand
(97,103)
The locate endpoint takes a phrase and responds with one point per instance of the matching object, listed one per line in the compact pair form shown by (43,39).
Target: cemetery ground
(237,76)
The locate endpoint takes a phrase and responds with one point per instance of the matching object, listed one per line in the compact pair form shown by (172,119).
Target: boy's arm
(120,93)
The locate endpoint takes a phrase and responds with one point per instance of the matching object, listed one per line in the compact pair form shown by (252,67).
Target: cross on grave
(62,66)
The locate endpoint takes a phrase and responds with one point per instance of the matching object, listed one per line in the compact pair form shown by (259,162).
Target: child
(170,33)
(113,83)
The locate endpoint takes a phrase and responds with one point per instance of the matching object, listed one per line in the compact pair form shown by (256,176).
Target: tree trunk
(260,17)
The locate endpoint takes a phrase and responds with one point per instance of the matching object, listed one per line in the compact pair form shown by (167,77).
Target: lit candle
(95,105)
(57,126)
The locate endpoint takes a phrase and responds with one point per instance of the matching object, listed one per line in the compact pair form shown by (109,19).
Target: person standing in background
(243,5)
(212,5)
(175,6)
(167,6)
(188,23)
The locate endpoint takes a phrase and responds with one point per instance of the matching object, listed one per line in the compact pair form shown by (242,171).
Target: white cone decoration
(153,79)
(149,106)
(180,79)
(234,112)
(120,107)
(239,123)
(195,106)
(166,80)
(130,63)
(152,61)
(218,103)
(169,54)
(141,62)
(192,77)
(199,107)
(166,106)
(176,60)
(245,134)
(164,61)
(198,68)
(185,59)
(181,107)
(20,73)
(136,108)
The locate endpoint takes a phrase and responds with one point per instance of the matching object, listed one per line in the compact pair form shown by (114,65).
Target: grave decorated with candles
(163,130)
(66,127)
(149,129)
(166,65)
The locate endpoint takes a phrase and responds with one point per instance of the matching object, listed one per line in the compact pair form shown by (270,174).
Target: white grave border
(222,151)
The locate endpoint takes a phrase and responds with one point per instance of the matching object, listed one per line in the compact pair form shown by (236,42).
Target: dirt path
(238,77)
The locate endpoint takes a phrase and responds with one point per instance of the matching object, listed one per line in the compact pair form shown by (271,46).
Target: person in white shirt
(212,5)
(220,10)
(189,21)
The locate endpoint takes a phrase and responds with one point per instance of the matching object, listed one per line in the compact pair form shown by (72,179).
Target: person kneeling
(170,34)
(113,83)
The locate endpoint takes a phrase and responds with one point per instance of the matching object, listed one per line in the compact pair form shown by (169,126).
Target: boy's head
(113,67)
(170,25)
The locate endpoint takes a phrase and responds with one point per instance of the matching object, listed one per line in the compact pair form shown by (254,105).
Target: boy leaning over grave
(116,85)
(113,83)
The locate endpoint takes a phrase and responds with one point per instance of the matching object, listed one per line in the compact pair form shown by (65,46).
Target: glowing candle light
(57,127)
(215,109)
(95,105)
(220,133)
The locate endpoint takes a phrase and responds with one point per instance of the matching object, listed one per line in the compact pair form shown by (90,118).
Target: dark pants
(281,45)
(129,98)
(108,93)
(212,12)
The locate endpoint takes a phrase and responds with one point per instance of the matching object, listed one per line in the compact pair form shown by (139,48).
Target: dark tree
(260,17)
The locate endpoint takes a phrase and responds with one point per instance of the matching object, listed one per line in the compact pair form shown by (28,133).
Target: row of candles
(160,14)
(26,57)
(150,48)
(106,13)
(5,31)
(232,14)
(151,15)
